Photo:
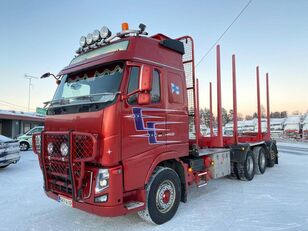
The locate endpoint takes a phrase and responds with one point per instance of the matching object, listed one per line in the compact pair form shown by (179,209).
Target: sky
(39,36)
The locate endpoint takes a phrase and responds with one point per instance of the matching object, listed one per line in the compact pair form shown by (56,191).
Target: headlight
(64,149)
(102,180)
(105,32)
(96,35)
(82,41)
(50,148)
(89,39)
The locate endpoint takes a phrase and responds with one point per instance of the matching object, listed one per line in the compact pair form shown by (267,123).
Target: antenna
(30,77)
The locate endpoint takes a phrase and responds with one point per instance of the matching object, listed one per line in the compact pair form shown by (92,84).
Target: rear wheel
(260,160)
(163,196)
(272,156)
(24,146)
(246,170)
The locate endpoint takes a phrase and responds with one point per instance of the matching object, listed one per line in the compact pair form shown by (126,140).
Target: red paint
(235,130)
(258,103)
(211,112)
(268,122)
(219,103)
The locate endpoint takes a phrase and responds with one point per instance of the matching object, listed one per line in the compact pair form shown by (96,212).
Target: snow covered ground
(277,200)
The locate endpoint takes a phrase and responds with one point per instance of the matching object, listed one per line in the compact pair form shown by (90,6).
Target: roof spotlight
(96,35)
(105,32)
(89,38)
(82,41)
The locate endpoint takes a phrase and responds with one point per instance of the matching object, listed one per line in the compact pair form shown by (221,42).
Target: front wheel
(24,146)
(163,196)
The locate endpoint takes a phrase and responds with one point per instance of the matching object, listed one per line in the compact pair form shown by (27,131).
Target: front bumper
(9,159)
(105,211)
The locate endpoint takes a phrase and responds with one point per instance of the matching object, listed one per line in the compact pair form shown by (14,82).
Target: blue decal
(150,126)
(175,89)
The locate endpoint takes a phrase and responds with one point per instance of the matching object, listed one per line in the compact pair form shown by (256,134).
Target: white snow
(276,200)
(295,119)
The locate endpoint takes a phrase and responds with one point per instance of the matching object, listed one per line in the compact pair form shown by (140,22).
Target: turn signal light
(124,26)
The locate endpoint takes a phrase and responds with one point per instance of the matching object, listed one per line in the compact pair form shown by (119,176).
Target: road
(274,201)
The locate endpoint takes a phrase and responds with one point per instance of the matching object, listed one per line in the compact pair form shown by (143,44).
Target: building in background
(13,123)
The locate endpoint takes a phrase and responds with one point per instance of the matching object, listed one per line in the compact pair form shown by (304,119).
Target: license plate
(65,201)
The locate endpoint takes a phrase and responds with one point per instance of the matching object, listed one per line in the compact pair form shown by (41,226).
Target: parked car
(9,151)
(25,140)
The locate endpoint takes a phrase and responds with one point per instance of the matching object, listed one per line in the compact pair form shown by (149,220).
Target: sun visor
(174,45)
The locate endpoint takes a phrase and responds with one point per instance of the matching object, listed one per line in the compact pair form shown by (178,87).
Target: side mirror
(144,98)
(46,75)
(145,82)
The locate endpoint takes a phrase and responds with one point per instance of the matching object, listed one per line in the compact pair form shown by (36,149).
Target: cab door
(143,128)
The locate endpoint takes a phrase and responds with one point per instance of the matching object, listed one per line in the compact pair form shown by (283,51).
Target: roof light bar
(104,36)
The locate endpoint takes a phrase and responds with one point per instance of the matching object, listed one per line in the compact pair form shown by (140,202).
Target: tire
(24,146)
(260,160)
(4,166)
(233,174)
(163,196)
(272,156)
(246,171)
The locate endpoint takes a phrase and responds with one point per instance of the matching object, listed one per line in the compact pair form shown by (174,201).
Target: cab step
(133,204)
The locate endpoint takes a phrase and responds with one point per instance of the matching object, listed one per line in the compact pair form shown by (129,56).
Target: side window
(155,92)
(133,84)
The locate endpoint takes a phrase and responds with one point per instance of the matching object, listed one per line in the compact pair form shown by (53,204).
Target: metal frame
(220,140)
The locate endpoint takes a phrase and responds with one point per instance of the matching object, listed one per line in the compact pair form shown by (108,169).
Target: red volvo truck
(116,138)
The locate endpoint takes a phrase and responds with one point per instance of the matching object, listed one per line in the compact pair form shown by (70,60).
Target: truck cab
(119,110)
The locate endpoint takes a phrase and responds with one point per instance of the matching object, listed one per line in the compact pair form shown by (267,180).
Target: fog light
(101,199)
(64,149)
(50,148)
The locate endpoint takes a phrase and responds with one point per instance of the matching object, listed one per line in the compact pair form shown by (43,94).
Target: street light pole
(30,77)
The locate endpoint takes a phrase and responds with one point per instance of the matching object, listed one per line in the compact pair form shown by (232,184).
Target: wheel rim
(165,196)
(23,147)
(262,160)
(249,165)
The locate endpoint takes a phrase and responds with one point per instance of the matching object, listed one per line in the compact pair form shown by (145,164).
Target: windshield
(97,85)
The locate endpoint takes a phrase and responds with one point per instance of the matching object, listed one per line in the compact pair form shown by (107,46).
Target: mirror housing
(144,98)
(46,75)
(145,79)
